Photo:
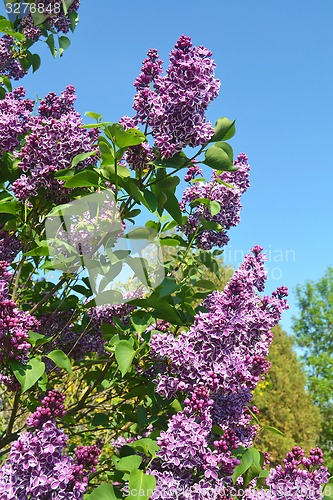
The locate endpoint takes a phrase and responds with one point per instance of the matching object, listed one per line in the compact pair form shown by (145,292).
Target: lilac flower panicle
(14,327)
(55,139)
(216,364)
(15,113)
(300,478)
(227,197)
(37,467)
(52,407)
(56,19)
(10,246)
(9,66)
(174,105)
(76,344)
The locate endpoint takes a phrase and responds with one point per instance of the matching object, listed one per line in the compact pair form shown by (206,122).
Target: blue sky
(274,60)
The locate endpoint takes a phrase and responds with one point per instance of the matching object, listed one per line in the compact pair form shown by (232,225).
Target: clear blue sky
(274,59)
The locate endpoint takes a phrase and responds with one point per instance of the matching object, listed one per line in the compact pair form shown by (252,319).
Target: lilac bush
(158,389)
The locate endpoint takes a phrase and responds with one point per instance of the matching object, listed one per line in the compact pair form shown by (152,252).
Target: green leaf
(37,339)
(124,138)
(218,159)
(64,43)
(166,288)
(171,205)
(141,323)
(35,62)
(8,207)
(141,485)
(214,207)
(100,419)
(66,5)
(274,430)
(124,354)
(5,25)
(95,125)
(227,149)
(74,19)
(150,199)
(207,284)
(87,178)
(50,39)
(60,359)
(27,374)
(168,183)
(81,157)
(169,242)
(145,445)
(224,130)
(102,492)
(38,19)
(162,309)
(250,456)
(179,161)
(92,114)
(42,382)
(128,464)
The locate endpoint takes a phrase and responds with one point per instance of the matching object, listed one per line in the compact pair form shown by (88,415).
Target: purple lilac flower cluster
(9,66)
(52,406)
(60,327)
(14,324)
(175,108)
(192,172)
(14,119)
(56,18)
(228,199)
(38,468)
(216,364)
(55,139)
(300,478)
(86,232)
(107,313)
(174,105)
(10,246)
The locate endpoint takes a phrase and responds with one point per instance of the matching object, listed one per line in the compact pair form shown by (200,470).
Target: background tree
(284,402)
(313,329)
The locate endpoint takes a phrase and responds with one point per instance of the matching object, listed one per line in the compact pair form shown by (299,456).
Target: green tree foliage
(313,329)
(284,403)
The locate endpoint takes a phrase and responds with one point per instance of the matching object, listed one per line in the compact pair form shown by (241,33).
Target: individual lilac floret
(52,407)
(15,113)
(9,66)
(300,478)
(228,199)
(56,138)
